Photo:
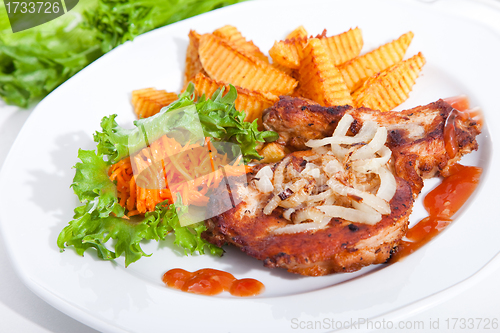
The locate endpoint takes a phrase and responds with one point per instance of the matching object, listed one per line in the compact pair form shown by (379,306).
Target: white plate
(36,201)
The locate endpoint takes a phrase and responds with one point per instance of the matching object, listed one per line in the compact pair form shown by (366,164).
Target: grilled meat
(298,120)
(416,138)
(341,247)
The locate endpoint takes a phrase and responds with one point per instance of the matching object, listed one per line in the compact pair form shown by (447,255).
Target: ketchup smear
(449,196)
(211,282)
(441,204)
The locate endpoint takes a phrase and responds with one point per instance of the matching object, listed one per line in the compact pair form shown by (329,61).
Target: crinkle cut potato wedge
(193,64)
(341,48)
(386,90)
(149,101)
(288,53)
(272,152)
(224,63)
(287,70)
(252,102)
(299,32)
(231,34)
(345,46)
(319,79)
(357,70)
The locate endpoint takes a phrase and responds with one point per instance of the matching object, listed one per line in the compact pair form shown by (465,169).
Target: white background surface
(477,297)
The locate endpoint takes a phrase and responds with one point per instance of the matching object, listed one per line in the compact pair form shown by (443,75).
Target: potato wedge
(288,53)
(319,79)
(224,63)
(149,101)
(272,152)
(345,46)
(341,48)
(193,64)
(357,70)
(288,71)
(252,102)
(386,90)
(299,32)
(231,34)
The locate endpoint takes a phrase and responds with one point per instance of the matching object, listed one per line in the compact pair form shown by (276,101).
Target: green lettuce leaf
(221,120)
(118,143)
(36,61)
(218,116)
(118,21)
(101,219)
(91,184)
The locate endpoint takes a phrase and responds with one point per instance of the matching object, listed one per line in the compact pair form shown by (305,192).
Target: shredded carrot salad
(143,180)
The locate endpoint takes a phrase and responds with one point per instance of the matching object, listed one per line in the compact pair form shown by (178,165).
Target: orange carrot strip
(133,212)
(115,173)
(131,200)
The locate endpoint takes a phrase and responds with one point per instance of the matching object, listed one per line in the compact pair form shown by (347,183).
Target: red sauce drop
(450,142)
(246,287)
(441,203)
(176,278)
(449,196)
(211,282)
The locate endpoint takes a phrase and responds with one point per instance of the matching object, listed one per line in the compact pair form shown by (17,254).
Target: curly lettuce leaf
(118,143)
(221,120)
(118,21)
(91,184)
(218,116)
(36,61)
(101,219)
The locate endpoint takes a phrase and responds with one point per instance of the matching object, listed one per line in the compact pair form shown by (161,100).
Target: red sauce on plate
(441,204)
(460,103)
(211,282)
(450,142)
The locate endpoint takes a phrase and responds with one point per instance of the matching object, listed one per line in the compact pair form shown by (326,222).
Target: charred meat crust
(341,247)
(298,120)
(415,136)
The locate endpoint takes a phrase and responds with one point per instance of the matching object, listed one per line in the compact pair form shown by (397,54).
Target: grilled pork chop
(416,139)
(415,136)
(341,247)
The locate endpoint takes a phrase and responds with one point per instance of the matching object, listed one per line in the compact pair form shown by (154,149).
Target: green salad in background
(36,61)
